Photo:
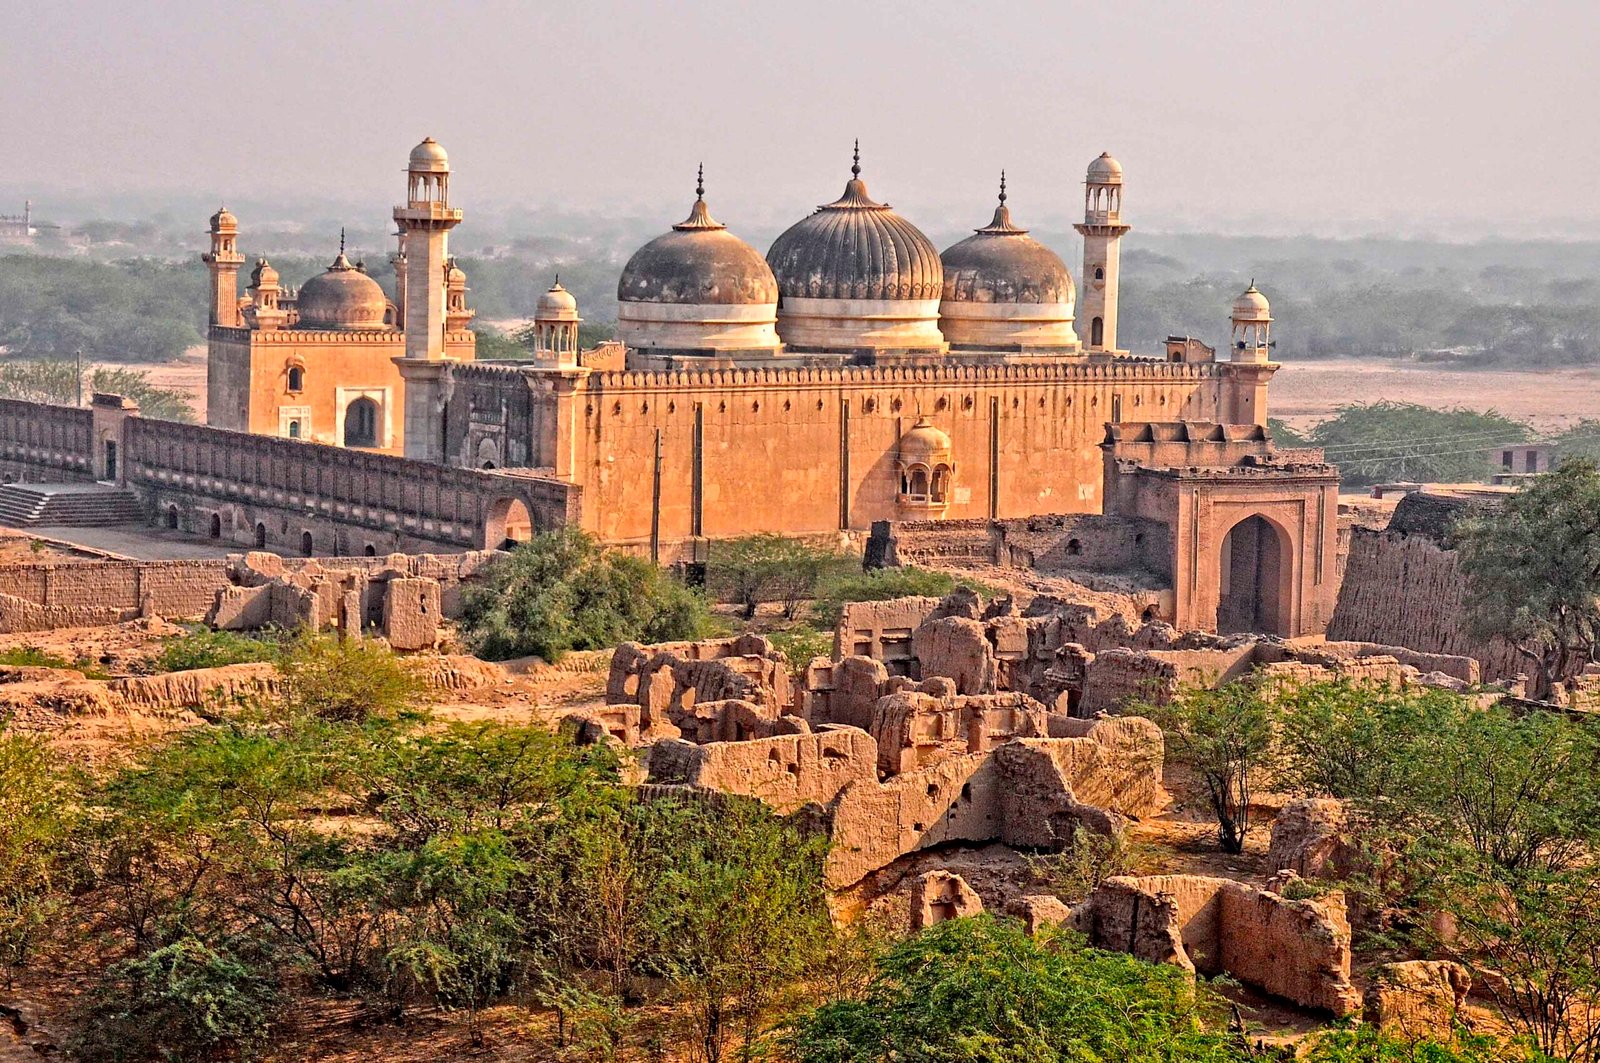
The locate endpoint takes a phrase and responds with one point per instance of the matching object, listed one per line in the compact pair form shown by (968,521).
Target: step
(73,505)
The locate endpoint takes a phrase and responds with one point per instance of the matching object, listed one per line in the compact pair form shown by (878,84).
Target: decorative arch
(361,421)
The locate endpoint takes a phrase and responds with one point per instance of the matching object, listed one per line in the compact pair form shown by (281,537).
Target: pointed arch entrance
(1256,590)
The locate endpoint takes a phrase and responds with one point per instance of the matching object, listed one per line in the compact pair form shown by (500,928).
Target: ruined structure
(1297,950)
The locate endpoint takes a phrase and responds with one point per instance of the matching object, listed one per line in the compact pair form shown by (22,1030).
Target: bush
(982,989)
(185,1001)
(34,657)
(1367,1044)
(348,680)
(1091,858)
(204,648)
(563,591)
(37,817)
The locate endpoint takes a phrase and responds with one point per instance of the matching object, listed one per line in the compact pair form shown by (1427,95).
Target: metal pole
(80,376)
(655,506)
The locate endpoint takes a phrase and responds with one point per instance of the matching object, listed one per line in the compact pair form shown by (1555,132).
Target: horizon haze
(1446,120)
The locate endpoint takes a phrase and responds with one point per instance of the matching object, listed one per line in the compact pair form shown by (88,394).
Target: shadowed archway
(1256,590)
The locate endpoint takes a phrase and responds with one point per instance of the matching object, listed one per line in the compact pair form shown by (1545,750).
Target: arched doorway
(1097,332)
(307,547)
(172,517)
(1254,592)
(216,526)
(361,423)
(261,536)
(508,524)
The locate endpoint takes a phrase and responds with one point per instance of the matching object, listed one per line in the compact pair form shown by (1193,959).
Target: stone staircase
(68,505)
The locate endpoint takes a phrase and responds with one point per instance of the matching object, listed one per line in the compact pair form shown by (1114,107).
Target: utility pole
(80,376)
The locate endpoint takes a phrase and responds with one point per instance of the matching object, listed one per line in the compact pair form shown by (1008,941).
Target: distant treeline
(1489,303)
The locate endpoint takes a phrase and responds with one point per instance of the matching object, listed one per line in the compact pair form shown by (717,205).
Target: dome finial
(341,239)
(557,283)
(700,182)
(1002,187)
(855,162)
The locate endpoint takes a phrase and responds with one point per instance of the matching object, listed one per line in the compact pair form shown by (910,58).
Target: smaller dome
(924,442)
(263,276)
(223,221)
(557,304)
(454,276)
(342,298)
(1105,170)
(429,157)
(1252,305)
(1001,263)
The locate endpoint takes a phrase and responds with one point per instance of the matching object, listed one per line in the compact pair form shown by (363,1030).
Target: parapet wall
(39,441)
(1057,541)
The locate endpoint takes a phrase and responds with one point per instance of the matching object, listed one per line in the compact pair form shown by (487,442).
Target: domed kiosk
(855,278)
(342,298)
(698,291)
(1005,291)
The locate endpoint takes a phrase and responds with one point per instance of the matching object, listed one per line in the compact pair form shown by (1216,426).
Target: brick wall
(39,442)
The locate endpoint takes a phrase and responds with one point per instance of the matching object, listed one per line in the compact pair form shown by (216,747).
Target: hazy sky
(1362,116)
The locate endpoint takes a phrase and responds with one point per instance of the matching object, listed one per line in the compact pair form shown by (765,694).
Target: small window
(1506,459)
(294,429)
(1074,547)
(297,378)
(1099,274)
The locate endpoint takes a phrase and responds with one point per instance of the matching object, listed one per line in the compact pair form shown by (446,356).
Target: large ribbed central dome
(855,248)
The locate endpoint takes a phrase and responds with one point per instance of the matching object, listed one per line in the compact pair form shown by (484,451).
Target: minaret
(223,261)
(1250,365)
(425,223)
(1102,232)
(457,315)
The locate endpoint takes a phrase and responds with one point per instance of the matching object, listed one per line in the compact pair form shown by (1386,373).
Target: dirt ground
(1305,392)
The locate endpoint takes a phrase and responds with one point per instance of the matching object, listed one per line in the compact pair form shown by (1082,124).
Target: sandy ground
(1305,392)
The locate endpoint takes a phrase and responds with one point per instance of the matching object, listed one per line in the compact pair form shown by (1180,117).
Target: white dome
(429,157)
(1105,170)
(1252,305)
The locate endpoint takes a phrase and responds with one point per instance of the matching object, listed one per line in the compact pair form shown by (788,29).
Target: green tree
(983,990)
(1533,571)
(743,914)
(563,591)
(764,568)
(1225,735)
(1387,441)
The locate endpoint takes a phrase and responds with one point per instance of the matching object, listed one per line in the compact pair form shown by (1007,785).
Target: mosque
(851,375)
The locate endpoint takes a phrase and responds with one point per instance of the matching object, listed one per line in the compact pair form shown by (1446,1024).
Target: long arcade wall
(260,491)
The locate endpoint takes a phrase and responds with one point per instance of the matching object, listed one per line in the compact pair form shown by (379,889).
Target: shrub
(37,816)
(1090,859)
(34,657)
(563,591)
(982,989)
(204,648)
(767,568)
(185,1001)
(347,680)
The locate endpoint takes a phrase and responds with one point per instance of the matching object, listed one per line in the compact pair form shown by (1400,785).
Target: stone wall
(45,443)
(248,488)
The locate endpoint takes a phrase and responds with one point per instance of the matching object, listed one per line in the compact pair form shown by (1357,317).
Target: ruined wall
(50,594)
(1407,590)
(1055,541)
(1298,950)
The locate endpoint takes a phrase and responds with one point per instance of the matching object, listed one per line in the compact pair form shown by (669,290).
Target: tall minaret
(223,261)
(1102,231)
(425,223)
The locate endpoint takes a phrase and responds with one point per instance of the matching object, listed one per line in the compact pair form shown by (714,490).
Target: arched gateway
(1255,579)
